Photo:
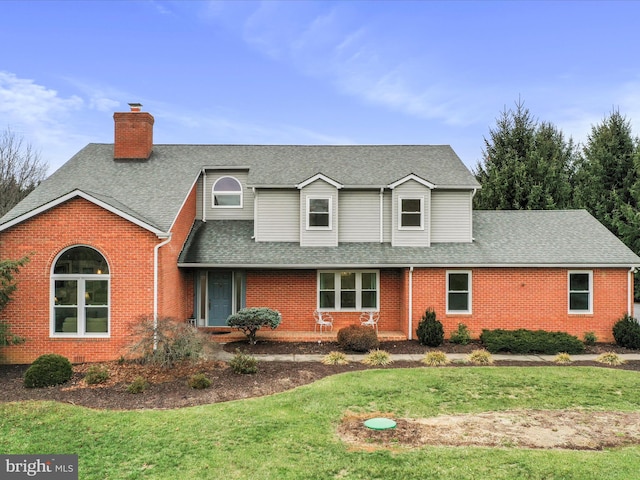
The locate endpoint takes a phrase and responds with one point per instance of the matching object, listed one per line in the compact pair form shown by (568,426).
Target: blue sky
(294,72)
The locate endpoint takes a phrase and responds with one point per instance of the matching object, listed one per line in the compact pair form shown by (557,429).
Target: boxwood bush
(48,370)
(529,341)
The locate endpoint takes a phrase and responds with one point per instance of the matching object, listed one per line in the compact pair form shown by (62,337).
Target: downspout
(630,291)
(155,290)
(255,212)
(410,336)
(204,195)
(381,214)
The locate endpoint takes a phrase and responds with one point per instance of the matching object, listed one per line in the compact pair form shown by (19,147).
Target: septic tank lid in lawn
(380,423)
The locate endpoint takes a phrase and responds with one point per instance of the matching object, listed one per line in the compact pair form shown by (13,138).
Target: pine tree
(526,165)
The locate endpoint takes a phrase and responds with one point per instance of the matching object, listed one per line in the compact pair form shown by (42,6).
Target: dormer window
(411,213)
(319,216)
(227,193)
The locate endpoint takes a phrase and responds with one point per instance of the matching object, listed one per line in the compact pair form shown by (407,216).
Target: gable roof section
(570,238)
(153,191)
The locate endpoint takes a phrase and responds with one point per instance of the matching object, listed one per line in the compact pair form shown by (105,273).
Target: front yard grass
(293,435)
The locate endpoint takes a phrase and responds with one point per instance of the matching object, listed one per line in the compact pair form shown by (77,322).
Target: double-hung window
(580,292)
(458,291)
(411,213)
(319,213)
(348,290)
(80,294)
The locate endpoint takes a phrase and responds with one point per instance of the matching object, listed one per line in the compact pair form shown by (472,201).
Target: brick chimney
(133,134)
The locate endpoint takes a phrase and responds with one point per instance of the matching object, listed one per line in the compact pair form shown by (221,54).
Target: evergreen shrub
(430,331)
(48,370)
(626,332)
(358,338)
(524,341)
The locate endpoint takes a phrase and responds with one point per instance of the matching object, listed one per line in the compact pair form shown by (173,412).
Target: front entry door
(220,298)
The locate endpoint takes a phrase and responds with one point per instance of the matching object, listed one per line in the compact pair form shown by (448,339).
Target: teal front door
(220,298)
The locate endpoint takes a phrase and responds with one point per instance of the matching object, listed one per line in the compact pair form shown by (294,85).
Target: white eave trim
(412,177)
(319,176)
(314,266)
(89,198)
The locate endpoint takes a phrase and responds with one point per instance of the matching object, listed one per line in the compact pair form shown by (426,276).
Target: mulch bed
(168,387)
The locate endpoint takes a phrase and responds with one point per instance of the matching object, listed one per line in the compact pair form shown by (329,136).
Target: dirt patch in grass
(539,429)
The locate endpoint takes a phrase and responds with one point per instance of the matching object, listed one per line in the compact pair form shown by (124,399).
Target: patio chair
(323,320)
(370,319)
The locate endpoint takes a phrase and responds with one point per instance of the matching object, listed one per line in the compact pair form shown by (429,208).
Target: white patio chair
(323,320)
(370,319)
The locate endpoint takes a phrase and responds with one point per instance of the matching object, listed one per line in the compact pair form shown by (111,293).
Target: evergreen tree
(527,165)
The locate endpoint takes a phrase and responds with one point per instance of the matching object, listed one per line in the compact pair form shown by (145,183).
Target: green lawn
(292,435)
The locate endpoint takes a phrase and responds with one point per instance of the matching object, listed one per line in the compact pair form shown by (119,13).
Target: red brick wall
(532,298)
(294,294)
(129,253)
(175,286)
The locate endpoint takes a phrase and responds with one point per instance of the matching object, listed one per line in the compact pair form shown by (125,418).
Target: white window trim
(400,212)
(330,199)
(336,305)
(213,193)
(81,279)
(469,292)
(590,292)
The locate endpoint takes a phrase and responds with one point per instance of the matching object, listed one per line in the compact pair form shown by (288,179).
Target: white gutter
(155,289)
(410,336)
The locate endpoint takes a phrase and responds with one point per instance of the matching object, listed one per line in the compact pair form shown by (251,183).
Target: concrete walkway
(454,357)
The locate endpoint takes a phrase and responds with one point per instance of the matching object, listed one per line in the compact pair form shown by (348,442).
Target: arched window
(80,293)
(227,193)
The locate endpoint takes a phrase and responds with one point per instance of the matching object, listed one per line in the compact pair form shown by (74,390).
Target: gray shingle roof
(502,238)
(152,191)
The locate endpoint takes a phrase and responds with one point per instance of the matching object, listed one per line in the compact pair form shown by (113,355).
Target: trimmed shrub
(96,374)
(626,332)
(243,363)
(430,331)
(480,357)
(250,320)
(48,370)
(199,381)
(335,358)
(610,358)
(461,336)
(590,338)
(166,342)
(377,358)
(436,358)
(358,338)
(528,341)
(138,385)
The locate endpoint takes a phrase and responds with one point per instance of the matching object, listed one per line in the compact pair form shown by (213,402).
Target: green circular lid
(380,423)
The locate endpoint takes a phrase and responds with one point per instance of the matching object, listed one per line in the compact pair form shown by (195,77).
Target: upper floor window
(458,291)
(580,292)
(227,193)
(319,213)
(80,293)
(411,213)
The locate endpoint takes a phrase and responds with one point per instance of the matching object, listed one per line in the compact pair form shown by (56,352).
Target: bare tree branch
(21,169)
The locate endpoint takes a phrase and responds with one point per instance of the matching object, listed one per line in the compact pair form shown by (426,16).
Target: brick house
(199,231)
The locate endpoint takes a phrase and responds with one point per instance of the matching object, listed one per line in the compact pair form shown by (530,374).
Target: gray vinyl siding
(319,238)
(359,216)
(277,215)
(451,216)
(218,213)
(387,217)
(411,237)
